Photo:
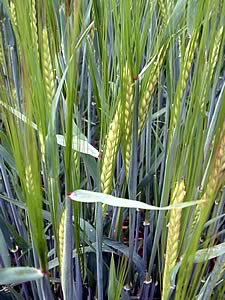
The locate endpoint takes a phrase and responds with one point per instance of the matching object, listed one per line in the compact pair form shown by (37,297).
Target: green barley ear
(189,54)
(170,7)
(216,178)
(216,49)
(34,27)
(212,63)
(127,116)
(61,238)
(110,151)
(42,145)
(29,181)
(13,13)
(162,9)
(172,245)
(76,160)
(145,100)
(1,51)
(165,7)
(48,73)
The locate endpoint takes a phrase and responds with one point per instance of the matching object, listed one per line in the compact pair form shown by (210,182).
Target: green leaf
(92,167)
(84,34)
(209,253)
(18,114)
(4,250)
(19,275)
(78,144)
(6,156)
(112,280)
(174,21)
(201,256)
(120,247)
(191,15)
(10,232)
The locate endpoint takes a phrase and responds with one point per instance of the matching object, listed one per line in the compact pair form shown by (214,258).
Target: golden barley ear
(111,150)
(48,73)
(172,245)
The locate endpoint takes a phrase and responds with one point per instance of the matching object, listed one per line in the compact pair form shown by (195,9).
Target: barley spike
(48,73)
(216,178)
(13,12)
(29,180)
(189,54)
(145,100)
(212,62)
(61,238)
(34,27)
(172,245)
(110,151)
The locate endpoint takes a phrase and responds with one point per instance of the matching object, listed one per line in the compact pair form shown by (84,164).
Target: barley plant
(112,149)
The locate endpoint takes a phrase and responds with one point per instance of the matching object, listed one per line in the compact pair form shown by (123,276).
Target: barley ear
(162,9)
(48,73)
(1,51)
(165,7)
(13,13)
(216,178)
(29,180)
(110,151)
(76,161)
(212,64)
(42,145)
(216,49)
(145,100)
(61,238)
(182,83)
(34,28)
(172,245)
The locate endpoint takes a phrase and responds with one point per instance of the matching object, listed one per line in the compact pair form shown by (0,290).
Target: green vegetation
(112,149)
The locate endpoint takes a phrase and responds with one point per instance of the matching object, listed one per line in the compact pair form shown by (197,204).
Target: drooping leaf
(78,144)
(19,275)
(95,197)
(209,253)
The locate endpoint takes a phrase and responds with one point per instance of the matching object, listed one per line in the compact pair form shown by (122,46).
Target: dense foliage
(112,149)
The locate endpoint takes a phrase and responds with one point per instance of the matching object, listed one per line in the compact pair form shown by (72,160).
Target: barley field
(112,149)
